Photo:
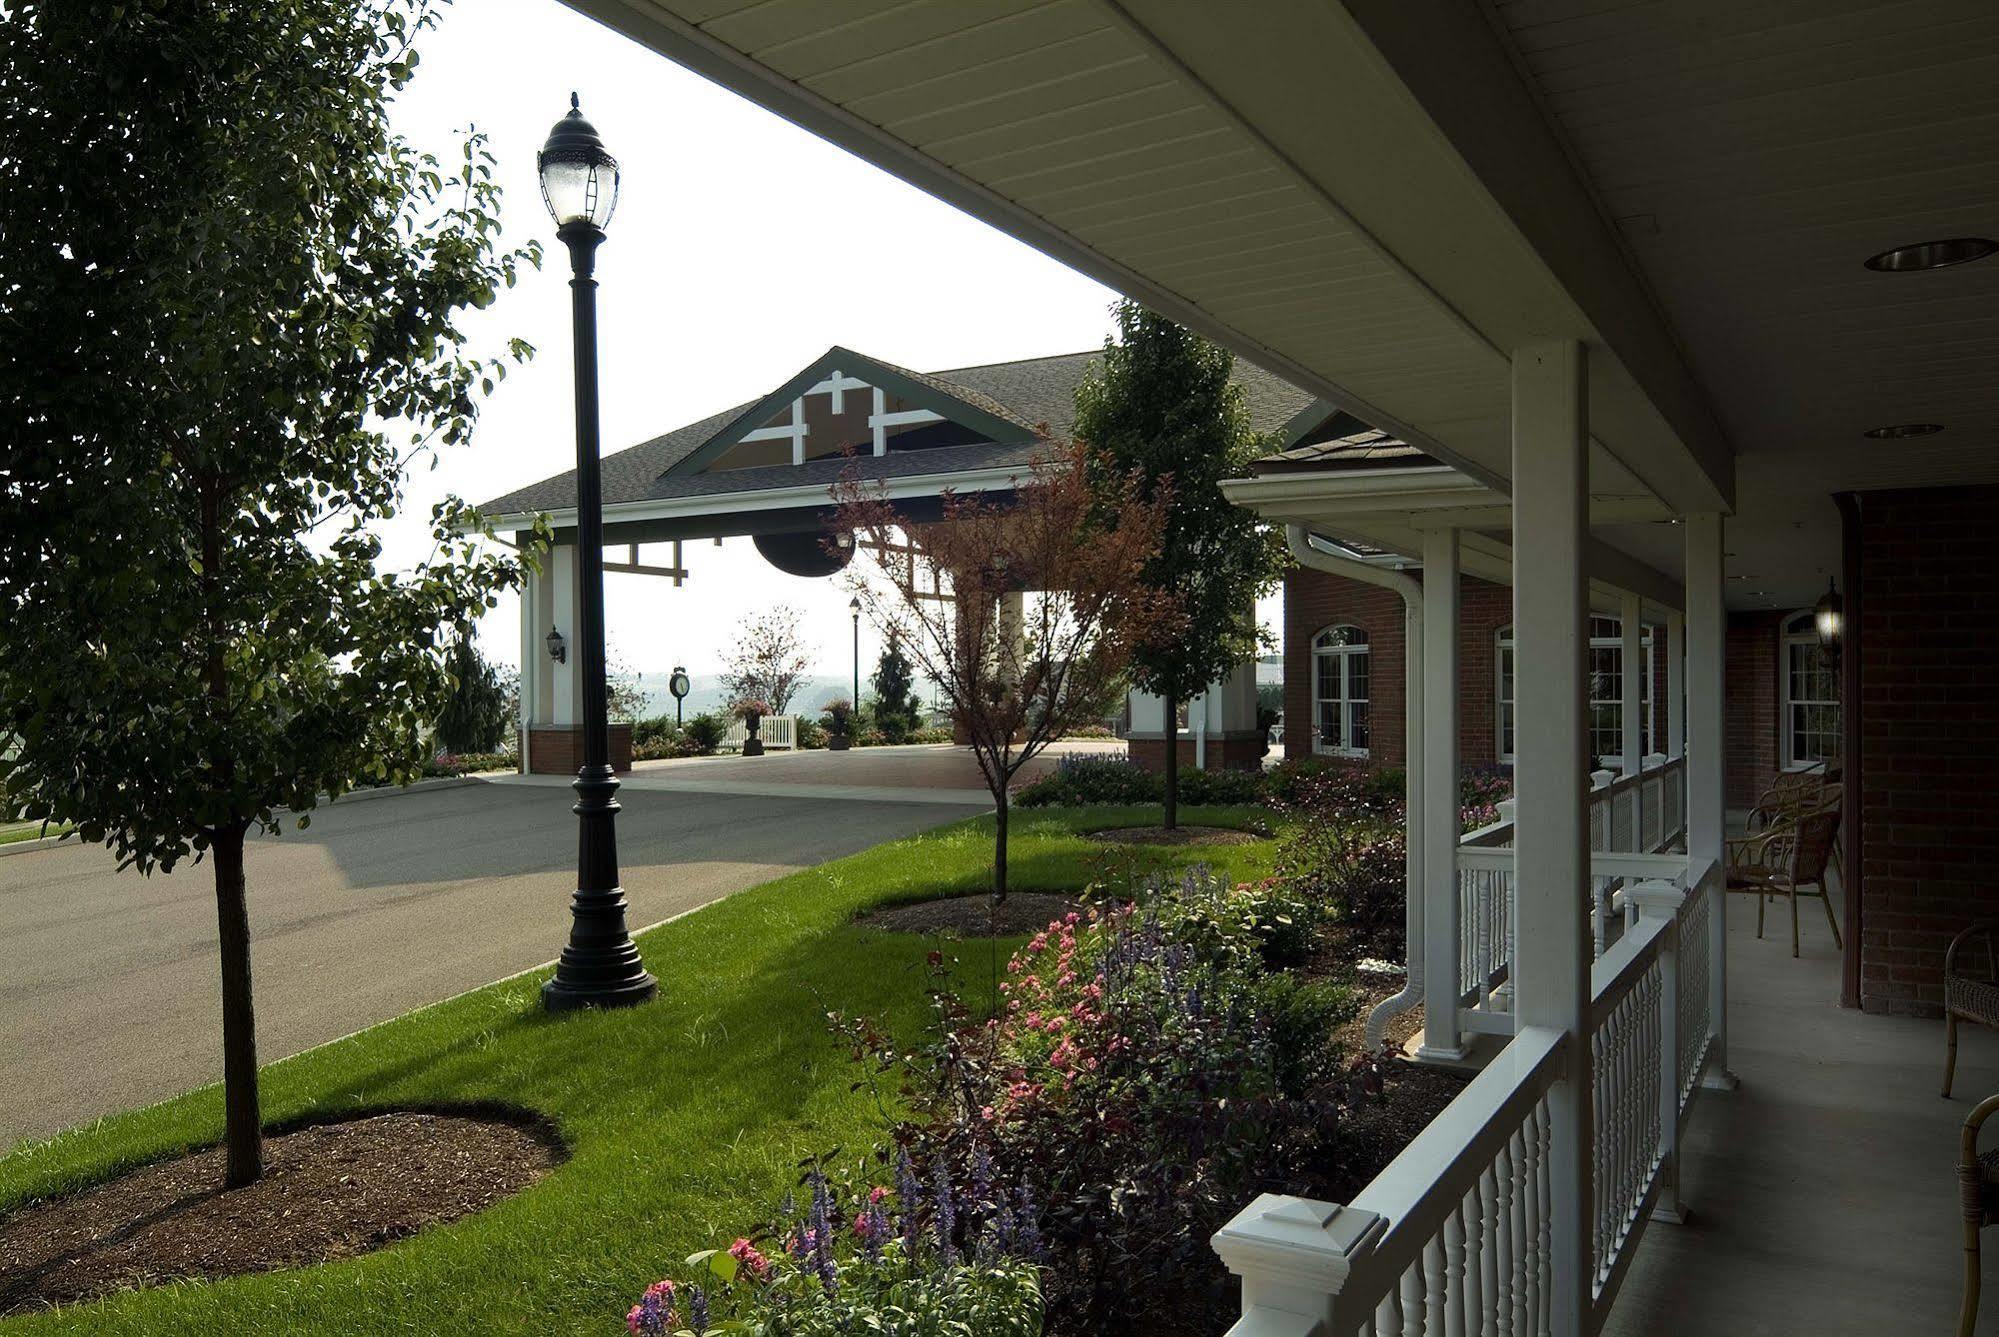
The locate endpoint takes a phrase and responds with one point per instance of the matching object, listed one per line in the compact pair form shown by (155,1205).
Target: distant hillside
(707,693)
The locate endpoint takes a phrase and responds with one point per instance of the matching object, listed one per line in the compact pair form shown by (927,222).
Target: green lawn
(34,831)
(685,1117)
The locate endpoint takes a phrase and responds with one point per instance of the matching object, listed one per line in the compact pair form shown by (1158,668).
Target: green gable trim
(1002,431)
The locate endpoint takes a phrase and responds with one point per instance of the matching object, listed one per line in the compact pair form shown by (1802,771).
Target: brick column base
(558,749)
(1230,752)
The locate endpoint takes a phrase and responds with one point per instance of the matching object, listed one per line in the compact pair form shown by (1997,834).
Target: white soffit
(1755,153)
(1260,172)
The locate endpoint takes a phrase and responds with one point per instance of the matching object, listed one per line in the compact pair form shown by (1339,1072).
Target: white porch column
(1675,632)
(1707,641)
(534,661)
(1441,918)
(1551,844)
(565,700)
(1632,707)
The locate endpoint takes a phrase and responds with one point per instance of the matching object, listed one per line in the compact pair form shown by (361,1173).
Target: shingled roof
(1031,391)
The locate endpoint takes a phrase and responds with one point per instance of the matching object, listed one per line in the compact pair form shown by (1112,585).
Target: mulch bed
(328,1191)
(973,916)
(1178,836)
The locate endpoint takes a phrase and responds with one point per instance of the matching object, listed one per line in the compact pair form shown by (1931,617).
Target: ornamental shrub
(917,1259)
(705,732)
(1078,780)
(810,733)
(653,729)
(1221,788)
(1271,920)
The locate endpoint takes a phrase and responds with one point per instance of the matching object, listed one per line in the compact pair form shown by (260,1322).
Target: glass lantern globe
(579,177)
(1830,615)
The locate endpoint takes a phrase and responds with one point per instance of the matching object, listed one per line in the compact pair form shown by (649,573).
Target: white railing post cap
(1507,807)
(1656,899)
(1295,1242)
(1653,760)
(1598,779)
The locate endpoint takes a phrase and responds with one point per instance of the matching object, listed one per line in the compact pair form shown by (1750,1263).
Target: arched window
(1810,688)
(1604,670)
(1340,691)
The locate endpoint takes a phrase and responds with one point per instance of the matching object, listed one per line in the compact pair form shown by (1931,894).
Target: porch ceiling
(1753,154)
(1179,152)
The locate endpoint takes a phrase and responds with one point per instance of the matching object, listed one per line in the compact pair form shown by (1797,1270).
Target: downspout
(1299,540)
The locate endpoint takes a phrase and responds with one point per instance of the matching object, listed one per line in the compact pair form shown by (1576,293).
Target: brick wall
(1315,600)
(1749,719)
(558,749)
(1929,733)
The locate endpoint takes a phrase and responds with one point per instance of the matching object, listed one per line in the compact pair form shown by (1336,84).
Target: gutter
(1304,552)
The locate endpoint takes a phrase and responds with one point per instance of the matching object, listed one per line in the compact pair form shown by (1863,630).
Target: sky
(741,249)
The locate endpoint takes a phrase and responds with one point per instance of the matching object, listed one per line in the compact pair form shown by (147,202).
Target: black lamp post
(600,967)
(854,606)
(679,686)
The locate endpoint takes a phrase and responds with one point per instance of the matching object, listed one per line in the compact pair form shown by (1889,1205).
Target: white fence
(1456,1237)
(1635,822)
(775,730)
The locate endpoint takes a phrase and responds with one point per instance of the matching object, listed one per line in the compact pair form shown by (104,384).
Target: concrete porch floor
(1822,1192)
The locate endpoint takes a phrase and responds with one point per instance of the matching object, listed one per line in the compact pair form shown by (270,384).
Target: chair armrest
(1965,935)
(1742,851)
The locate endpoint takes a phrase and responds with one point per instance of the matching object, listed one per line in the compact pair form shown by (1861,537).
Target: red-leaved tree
(1018,672)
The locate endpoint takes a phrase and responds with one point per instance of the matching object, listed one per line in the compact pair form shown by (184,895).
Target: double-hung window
(1340,691)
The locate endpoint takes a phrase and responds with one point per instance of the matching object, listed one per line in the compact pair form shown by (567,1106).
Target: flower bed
(1150,1065)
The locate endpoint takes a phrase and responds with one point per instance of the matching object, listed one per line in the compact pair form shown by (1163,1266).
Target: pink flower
(749,1260)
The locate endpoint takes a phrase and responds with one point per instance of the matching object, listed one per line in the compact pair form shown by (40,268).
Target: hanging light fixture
(558,646)
(1830,615)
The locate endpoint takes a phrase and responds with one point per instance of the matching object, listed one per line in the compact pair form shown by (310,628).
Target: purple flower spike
(908,1200)
(947,1215)
(697,1310)
(982,1177)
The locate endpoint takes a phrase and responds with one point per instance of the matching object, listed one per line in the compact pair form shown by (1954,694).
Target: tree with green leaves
(478,715)
(229,323)
(1162,404)
(897,710)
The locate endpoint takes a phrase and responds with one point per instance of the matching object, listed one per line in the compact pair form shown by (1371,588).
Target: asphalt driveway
(109,983)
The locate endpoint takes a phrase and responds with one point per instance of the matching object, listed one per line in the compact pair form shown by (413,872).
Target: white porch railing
(1453,1238)
(1635,822)
(775,730)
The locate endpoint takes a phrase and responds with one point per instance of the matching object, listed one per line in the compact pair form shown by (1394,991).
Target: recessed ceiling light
(1902,430)
(1932,254)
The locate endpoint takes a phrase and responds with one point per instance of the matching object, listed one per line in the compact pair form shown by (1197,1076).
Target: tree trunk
(1172,763)
(239,1023)
(999,849)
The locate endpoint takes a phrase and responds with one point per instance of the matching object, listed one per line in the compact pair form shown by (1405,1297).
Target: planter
(838,742)
(753,746)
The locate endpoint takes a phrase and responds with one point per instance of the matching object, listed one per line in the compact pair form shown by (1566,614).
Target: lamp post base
(608,976)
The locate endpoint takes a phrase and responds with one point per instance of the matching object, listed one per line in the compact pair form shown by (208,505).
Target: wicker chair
(1972,997)
(1790,795)
(1978,1196)
(1783,860)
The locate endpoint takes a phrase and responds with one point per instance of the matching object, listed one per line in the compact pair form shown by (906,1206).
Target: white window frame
(1788,636)
(1503,646)
(1343,656)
